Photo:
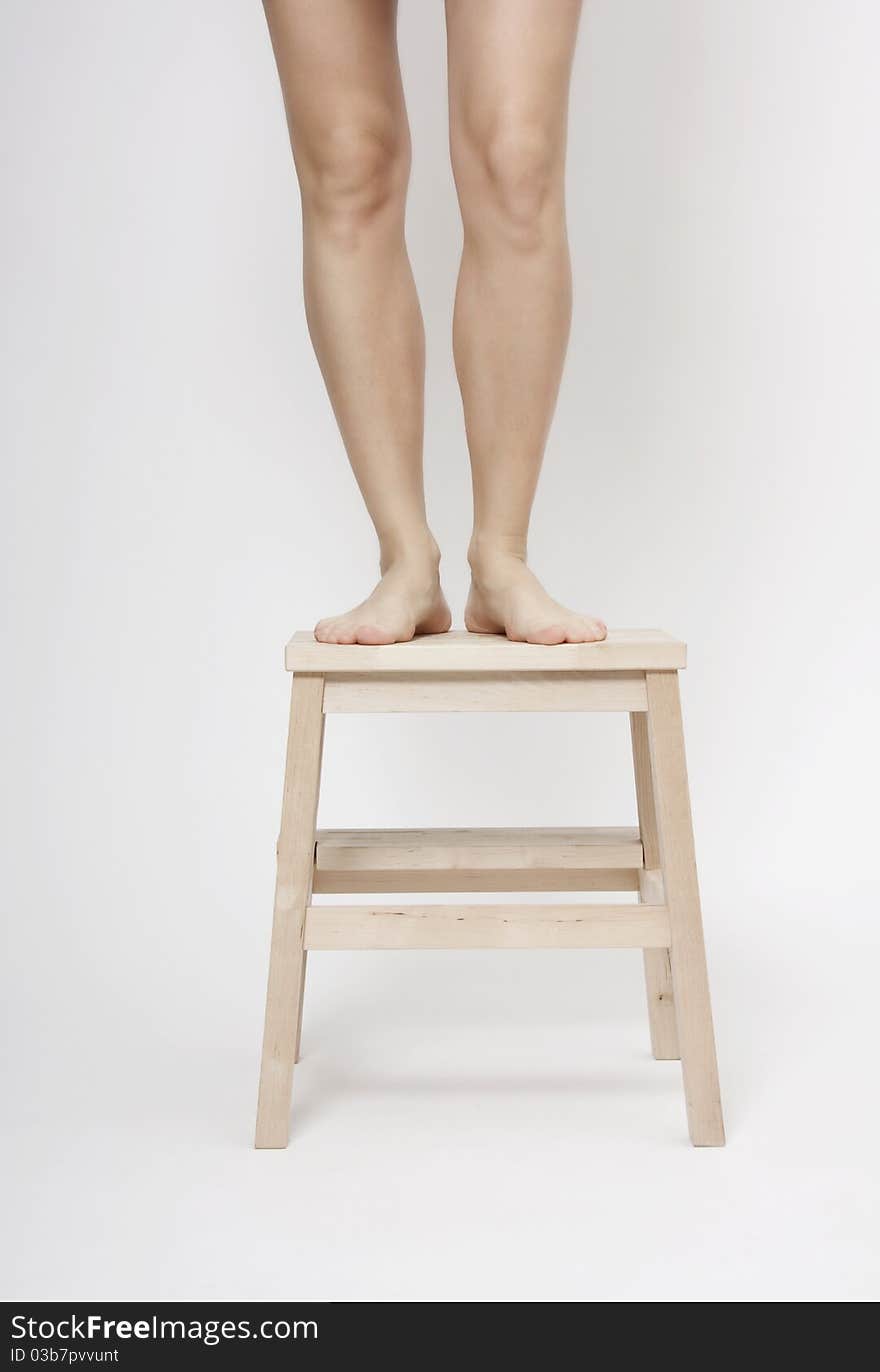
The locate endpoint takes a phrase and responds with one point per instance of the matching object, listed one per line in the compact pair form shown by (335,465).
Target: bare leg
(509,69)
(348,128)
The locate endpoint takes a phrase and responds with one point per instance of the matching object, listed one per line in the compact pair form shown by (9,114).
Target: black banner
(87,1334)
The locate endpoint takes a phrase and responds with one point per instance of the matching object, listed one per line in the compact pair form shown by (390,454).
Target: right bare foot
(507,598)
(407,601)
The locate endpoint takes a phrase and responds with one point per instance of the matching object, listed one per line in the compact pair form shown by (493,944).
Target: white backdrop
(175,502)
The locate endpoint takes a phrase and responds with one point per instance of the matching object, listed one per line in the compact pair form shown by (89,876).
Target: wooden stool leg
(296,860)
(302,996)
(658,970)
(688,956)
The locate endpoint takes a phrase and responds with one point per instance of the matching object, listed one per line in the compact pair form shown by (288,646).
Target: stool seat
(622,651)
(632,671)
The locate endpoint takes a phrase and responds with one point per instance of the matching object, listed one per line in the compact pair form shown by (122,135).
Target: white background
(175,501)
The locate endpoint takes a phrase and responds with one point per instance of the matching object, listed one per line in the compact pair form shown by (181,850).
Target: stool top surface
(457,651)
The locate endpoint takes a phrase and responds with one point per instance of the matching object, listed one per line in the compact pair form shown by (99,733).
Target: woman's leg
(339,71)
(509,69)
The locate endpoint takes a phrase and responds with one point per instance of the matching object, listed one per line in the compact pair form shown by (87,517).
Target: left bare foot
(507,598)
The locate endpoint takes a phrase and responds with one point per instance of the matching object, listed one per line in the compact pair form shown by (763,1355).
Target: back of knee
(353,174)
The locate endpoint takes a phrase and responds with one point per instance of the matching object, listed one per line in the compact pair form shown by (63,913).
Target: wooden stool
(635,670)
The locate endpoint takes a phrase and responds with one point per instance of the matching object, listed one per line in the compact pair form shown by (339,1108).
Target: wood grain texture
(658,972)
(366,860)
(490,692)
(458,651)
(462,879)
(658,981)
(302,1001)
(486,926)
(693,1011)
(296,849)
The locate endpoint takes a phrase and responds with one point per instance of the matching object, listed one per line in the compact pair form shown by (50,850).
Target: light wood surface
(365,860)
(390,881)
(658,971)
(486,926)
(493,692)
(658,981)
(693,1012)
(302,1001)
(296,848)
(634,671)
(622,650)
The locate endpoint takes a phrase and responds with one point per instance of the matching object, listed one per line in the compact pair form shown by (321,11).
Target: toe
(334,631)
(583,630)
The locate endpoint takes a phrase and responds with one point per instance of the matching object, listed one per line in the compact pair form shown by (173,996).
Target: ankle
(416,554)
(491,555)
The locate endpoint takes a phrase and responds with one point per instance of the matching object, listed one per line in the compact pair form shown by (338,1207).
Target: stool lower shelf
(363,860)
(485,860)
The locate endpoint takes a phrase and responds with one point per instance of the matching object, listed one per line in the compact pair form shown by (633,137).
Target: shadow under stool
(632,670)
